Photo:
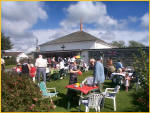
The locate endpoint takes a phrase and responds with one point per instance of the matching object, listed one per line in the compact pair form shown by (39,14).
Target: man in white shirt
(62,66)
(41,65)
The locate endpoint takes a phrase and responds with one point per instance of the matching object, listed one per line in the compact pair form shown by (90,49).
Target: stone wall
(124,54)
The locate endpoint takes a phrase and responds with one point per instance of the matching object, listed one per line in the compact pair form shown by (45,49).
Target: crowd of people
(43,66)
(101,72)
(73,66)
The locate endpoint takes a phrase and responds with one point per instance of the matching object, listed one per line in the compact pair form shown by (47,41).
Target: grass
(9,66)
(125,100)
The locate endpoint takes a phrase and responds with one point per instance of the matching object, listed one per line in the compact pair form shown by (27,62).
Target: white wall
(69,46)
(100,46)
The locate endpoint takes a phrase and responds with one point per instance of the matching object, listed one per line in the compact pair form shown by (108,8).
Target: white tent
(21,56)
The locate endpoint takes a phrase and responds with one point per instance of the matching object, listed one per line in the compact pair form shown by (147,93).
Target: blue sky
(117,10)
(108,20)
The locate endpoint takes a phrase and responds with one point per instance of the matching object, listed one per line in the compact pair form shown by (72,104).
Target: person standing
(127,81)
(41,65)
(110,68)
(32,72)
(2,64)
(73,72)
(61,67)
(99,76)
(73,79)
(92,63)
(25,67)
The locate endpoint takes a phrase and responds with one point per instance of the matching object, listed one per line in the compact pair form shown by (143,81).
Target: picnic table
(85,89)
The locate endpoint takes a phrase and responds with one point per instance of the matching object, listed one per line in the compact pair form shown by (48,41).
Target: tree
(141,68)
(5,42)
(135,44)
(120,44)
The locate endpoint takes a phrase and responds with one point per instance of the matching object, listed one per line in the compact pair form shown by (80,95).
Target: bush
(10,61)
(141,65)
(20,94)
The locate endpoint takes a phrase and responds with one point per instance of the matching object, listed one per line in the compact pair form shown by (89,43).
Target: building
(17,55)
(77,43)
(10,54)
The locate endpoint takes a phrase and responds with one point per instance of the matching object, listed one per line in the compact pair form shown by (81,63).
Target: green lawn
(10,66)
(125,100)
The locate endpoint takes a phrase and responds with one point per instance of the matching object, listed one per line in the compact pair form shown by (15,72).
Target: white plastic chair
(110,93)
(88,81)
(93,101)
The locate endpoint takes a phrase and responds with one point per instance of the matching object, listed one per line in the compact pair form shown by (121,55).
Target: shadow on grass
(63,101)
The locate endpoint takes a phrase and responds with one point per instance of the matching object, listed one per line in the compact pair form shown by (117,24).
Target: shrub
(10,61)
(141,66)
(20,94)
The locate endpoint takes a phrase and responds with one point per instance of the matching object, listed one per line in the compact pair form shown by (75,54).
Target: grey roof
(13,54)
(78,36)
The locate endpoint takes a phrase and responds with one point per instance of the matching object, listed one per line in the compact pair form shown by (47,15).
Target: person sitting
(119,65)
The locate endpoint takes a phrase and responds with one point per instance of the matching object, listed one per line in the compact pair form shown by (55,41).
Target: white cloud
(107,36)
(116,35)
(51,34)
(145,20)
(132,18)
(20,16)
(17,20)
(89,12)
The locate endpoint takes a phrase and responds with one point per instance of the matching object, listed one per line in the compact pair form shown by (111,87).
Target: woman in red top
(32,72)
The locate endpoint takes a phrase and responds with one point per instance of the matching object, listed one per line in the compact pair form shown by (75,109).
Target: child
(127,78)
(32,72)
(19,69)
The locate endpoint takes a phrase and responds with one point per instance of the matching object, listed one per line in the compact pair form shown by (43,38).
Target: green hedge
(20,94)
(10,61)
(141,66)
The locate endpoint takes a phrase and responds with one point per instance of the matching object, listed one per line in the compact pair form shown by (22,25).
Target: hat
(18,64)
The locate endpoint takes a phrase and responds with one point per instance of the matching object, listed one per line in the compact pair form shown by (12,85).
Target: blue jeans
(41,70)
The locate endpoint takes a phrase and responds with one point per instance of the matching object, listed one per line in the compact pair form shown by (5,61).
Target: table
(122,74)
(117,78)
(84,90)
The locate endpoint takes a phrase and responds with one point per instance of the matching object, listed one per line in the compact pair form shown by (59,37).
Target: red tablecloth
(85,89)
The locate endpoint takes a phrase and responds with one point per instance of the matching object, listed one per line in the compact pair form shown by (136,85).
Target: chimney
(81,26)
